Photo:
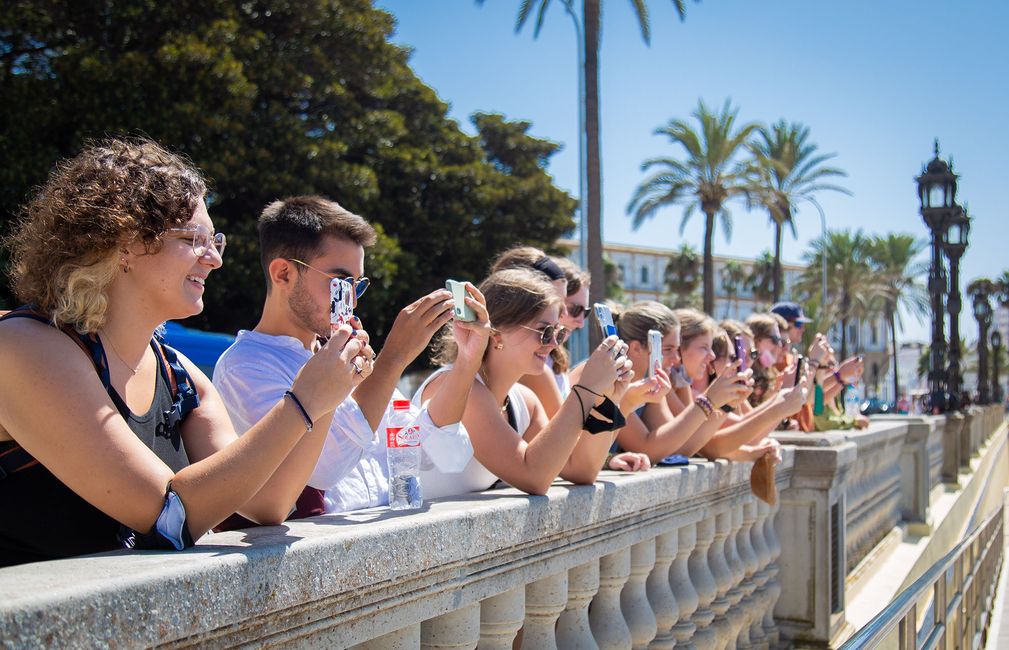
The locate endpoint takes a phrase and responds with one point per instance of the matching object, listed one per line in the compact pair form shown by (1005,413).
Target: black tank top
(43,519)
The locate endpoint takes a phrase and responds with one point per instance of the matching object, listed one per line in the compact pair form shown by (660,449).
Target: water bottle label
(402,437)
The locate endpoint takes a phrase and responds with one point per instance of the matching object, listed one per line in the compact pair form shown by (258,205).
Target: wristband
(705,405)
(301,409)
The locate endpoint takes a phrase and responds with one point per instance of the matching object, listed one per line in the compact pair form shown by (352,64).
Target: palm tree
(683,275)
(850,282)
(760,279)
(786,170)
(708,177)
(589,32)
(733,276)
(894,261)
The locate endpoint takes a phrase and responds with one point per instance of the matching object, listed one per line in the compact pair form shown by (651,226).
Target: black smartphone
(800,367)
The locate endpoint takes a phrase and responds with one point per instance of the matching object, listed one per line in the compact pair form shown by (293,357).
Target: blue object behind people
(202,348)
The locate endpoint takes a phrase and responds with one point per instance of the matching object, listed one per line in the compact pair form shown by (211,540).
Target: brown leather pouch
(762,479)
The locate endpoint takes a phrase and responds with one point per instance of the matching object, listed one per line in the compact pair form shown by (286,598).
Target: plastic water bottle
(403,454)
(852,401)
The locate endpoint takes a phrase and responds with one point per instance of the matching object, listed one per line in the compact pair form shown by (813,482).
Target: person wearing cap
(792,312)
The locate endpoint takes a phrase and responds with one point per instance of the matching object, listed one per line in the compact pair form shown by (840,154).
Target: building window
(623,274)
(644,275)
(875,335)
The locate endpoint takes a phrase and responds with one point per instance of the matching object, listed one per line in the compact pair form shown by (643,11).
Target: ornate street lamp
(937,194)
(954,247)
(982,314)
(996,387)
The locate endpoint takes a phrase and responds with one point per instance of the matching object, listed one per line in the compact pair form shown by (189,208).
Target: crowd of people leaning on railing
(110,439)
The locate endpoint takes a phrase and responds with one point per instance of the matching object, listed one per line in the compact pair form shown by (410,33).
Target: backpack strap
(184,395)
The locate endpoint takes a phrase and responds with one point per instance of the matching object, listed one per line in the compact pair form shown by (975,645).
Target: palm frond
(641,11)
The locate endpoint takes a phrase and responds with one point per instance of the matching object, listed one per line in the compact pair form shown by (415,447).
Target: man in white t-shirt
(305,242)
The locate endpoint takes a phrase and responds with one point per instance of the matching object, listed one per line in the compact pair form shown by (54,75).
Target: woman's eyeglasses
(203,239)
(576,311)
(550,334)
(360,284)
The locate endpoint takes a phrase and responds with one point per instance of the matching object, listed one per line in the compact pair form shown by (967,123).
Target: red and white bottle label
(402,437)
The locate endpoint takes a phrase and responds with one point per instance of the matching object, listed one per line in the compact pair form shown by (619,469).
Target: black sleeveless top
(43,519)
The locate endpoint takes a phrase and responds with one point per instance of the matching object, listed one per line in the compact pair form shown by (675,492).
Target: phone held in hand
(800,367)
(741,353)
(341,302)
(605,318)
(654,351)
(462,312)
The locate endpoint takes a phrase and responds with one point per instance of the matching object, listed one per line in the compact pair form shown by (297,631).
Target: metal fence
(954,598)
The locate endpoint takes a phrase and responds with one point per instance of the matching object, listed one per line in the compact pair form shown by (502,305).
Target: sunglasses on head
(550,334)
(576,311)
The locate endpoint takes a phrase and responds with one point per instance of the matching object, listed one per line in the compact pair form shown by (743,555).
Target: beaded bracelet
(297,402)
(705,405)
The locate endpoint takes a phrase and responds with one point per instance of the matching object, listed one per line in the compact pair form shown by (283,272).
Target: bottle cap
(401,405)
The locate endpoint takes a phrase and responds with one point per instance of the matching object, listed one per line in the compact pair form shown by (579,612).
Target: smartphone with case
(741,353)
(605,318)
(341,302)
(462,312)
(800,367)
(654,351)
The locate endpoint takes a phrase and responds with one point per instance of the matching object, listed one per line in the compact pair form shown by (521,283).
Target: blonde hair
(762,325)
(635,321)
(694,323)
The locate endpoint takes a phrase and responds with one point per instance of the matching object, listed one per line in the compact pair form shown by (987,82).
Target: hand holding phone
(800,367)
(462,312)
(605,318)
(654,351)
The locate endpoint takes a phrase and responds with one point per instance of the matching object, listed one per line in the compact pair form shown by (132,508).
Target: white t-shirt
(474,477)
(253,374)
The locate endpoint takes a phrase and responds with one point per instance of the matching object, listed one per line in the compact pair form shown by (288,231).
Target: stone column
(456,630)
(736,614)
(773,587)
(634,596)
(811,527)
(750,562)
(704,582)
(660,592)
(545,600)
(605,616)
(573,630)
(723,578)
(914,477)
(682,584)
(501,618)
(951,448)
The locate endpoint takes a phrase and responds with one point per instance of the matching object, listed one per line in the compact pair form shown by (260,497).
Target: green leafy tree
(785,171)
(273,100)
(733,277)
(613,280)
(589,30)
(851,284)
(683,276)
(760,280)
(898,272)
(706,178)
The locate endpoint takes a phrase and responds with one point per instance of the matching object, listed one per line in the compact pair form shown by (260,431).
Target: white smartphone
(341,302)
(654,351)
(462,312)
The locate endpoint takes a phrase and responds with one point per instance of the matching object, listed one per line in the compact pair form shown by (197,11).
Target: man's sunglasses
(360,284)
(550,334)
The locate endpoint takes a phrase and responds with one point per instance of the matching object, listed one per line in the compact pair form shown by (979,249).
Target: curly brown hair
(65,244)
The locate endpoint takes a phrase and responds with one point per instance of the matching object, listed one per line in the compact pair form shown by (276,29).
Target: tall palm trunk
(845,307)
(590,13)
(893,339)
(776,287)
(709,263)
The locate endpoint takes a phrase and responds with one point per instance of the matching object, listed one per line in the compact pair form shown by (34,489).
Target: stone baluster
(573,630)
(750,565)
(723,579)
(660,592)
(704,582)
(683,586)
(634,596)
(501,618)
(545,600)
(773,586)
(760,578)
(406,639)
(455,630)
(605,616)
(736,615)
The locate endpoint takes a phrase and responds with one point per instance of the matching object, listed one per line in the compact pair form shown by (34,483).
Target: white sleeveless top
(474,477)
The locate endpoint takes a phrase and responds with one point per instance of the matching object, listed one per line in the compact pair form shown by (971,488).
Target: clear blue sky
(874,81)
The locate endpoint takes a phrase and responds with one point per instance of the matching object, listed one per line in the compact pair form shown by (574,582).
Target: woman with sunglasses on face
(513,439)
(109,439)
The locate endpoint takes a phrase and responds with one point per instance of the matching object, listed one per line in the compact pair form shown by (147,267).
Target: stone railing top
(343,564)
(877,433)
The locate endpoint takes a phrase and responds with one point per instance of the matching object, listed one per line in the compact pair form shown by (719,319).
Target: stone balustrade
(677,556)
